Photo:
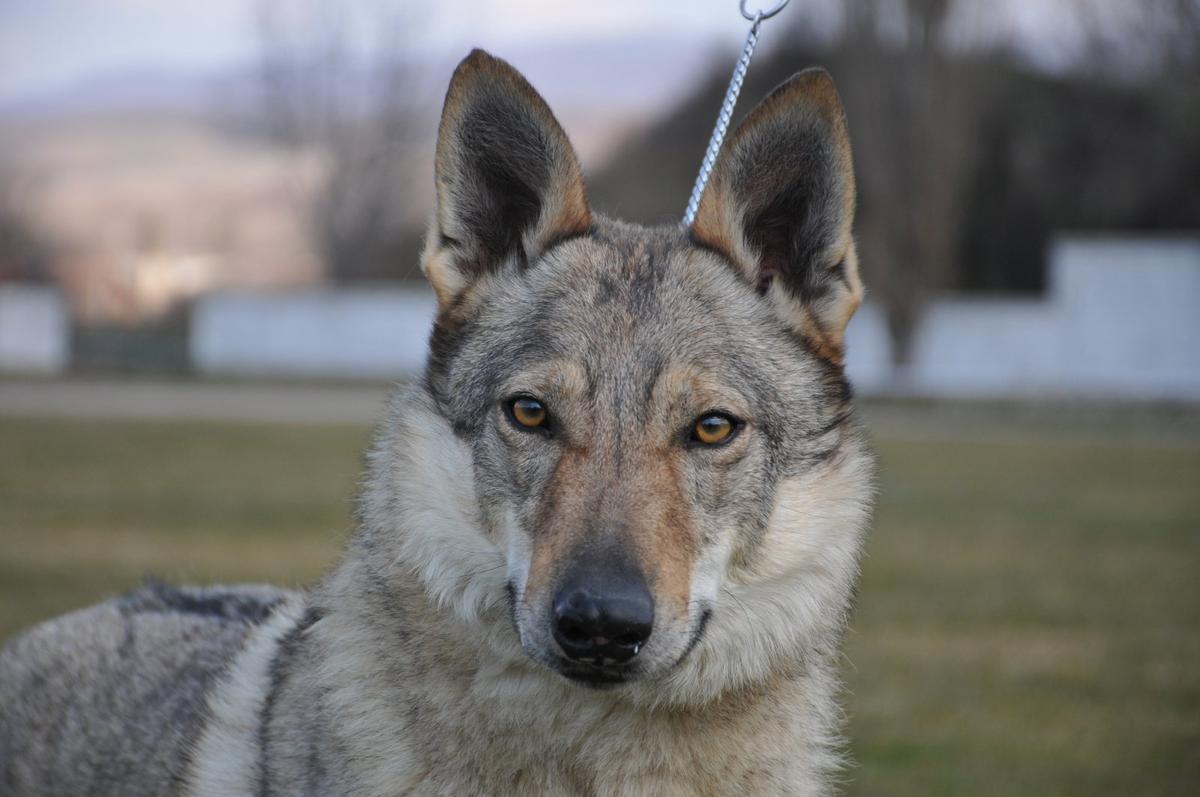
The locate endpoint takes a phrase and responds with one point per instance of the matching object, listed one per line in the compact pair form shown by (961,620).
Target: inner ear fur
(508,182)
(780,206)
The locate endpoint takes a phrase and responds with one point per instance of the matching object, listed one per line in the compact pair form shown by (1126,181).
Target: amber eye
(713,429)
(528,412)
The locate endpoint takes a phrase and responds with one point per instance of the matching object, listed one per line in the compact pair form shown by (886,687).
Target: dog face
(643,408)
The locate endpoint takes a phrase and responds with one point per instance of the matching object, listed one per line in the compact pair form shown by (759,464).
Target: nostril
(575,621)
(573,631)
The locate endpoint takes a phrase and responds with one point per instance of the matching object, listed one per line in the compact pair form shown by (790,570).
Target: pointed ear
(508,182)
(780,206)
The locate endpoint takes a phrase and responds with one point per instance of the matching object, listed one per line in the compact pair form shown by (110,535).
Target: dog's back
(109,700)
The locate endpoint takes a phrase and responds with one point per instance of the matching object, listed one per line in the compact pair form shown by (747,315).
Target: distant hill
(600,88)
(139,89)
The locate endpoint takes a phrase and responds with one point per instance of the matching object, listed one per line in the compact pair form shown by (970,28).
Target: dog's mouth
(596,676)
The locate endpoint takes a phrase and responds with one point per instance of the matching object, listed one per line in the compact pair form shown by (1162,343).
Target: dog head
(651,425)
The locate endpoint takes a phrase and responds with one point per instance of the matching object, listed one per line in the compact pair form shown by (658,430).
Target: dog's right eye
(527,413)
(715,429)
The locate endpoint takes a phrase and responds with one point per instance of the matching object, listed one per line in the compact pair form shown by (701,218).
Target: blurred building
(35,330)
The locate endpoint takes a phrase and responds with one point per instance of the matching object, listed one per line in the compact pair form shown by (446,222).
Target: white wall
(35,331)
(1121,319)
(963,347)
(355,333)
(1130,316)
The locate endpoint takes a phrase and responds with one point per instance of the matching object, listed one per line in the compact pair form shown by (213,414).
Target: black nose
(603,620)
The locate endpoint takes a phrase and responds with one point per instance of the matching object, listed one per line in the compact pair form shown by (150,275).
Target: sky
(48,45)
(52,44)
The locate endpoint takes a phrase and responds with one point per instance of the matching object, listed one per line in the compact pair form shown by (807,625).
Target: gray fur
(106,700)
(423,663)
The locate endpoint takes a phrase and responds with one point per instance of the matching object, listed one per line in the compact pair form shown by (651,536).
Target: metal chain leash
(726,114)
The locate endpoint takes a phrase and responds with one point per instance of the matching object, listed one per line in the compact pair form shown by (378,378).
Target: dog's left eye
(714,429)
(527,412)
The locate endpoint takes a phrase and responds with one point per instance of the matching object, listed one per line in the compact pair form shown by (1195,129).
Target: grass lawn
(1029,620)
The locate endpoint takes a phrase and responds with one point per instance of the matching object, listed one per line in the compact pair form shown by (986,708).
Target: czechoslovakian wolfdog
(607,544)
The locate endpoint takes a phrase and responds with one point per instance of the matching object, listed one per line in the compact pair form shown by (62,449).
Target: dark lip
(592,677)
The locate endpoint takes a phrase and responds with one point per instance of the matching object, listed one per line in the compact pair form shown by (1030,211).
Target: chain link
(726,114)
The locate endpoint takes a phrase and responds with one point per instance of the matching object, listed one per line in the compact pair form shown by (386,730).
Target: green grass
(90,508)
(1029,620)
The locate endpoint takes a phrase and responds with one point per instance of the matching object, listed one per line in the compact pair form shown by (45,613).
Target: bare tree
(342,88)
(917,103)
(914,107)
(26,254)
(1137,42)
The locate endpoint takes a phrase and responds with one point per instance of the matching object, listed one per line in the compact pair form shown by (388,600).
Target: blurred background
(210,216)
